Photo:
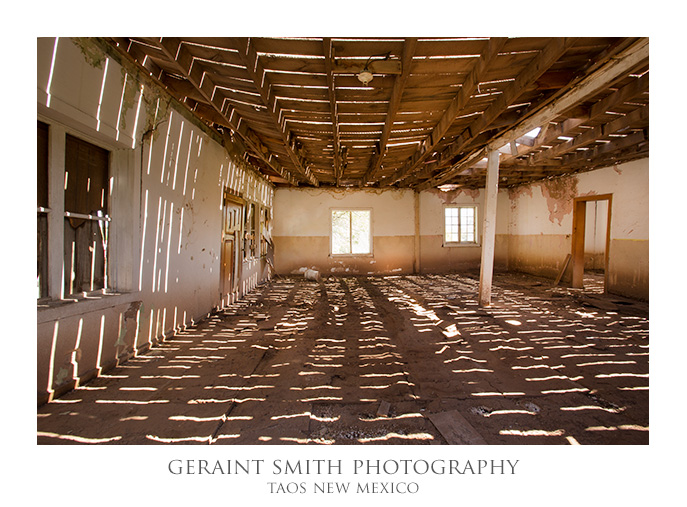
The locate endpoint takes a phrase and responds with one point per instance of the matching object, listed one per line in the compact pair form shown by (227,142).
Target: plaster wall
(302,230)
(540,224)
(434,255)
(168,175)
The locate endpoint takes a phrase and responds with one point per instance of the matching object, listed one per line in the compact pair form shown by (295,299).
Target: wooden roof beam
(396,94)
(636,138)
(334,111)
(468,88)
(182,58)
(548,135)
(623,63)
(256,71)
(540,64)
(640,115)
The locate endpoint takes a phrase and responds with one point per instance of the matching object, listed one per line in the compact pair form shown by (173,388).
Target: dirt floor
(382,360)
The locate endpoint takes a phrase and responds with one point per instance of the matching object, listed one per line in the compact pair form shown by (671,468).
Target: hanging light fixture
(365,75)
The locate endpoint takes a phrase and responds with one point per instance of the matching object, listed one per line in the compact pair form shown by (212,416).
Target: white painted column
(56,151)
(489,228)
(416,252)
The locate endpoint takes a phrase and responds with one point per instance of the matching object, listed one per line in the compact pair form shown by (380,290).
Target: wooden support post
(489,228)
(416,252)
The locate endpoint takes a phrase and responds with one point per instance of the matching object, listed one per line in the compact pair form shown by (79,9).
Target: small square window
(460,225)
(351,232)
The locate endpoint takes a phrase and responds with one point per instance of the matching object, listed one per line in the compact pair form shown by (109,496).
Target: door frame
(578,237)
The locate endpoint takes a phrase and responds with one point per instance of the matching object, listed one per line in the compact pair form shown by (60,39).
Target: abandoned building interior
(343,240)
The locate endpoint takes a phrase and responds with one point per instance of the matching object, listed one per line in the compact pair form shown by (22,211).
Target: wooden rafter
(255,70)
(468,88)
(548,135)
(592,135)
(620,65)
(329,65)
(296,106)
(396,94)
(628,60)
(175,51)
(540,64)
(634,139)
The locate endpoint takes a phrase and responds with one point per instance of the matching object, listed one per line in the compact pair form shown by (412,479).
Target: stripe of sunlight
(162,240)
(169,243)
(152,138)
(52,70)
(188,161)
(121,104)
(164,158)
(181,229)
(138,115)
(102,92)
(51,367)
(176,159)
(75,353)
(100,345)
(76,438)
(143,241)
(157,238)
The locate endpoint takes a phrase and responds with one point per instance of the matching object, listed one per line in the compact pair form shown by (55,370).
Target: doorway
(591,240)
(232,222)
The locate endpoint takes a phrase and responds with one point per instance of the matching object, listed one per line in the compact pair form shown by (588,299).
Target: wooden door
(231,233)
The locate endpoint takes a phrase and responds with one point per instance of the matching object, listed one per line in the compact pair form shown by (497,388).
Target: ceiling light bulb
(365,76)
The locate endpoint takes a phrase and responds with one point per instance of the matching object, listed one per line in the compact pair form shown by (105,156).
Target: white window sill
(460,245)
(339,256)
(54,309)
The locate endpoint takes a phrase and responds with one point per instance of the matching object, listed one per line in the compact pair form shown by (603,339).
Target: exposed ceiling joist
(249,56)
(627,61)
(180,56)
(636,55)
(329,64)
(549,135)
(433,105)
(591,136)
(396,94)
(467,89)
(540,64)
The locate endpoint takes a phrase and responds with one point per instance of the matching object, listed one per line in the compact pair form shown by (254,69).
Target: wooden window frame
(459,243)
(331,233)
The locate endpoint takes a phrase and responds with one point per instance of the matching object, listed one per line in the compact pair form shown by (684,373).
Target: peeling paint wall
(540,224)
(168,175)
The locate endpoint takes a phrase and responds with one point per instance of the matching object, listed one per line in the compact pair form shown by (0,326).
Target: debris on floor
(380,360)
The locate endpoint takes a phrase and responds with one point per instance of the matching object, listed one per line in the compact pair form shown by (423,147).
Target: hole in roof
(533,132)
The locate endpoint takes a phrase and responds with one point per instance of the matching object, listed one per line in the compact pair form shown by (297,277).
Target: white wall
(168,177)
(302,229)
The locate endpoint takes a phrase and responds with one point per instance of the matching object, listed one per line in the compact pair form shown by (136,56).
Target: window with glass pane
(460,224)
(86,224)
(351,232)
